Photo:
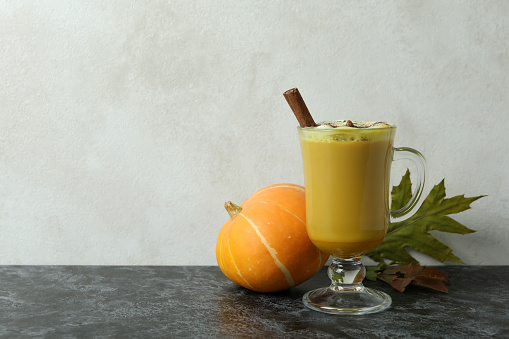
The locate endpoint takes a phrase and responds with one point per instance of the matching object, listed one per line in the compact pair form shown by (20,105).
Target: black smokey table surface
(199,302)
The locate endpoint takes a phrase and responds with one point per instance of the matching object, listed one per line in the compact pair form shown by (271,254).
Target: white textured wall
(125,125)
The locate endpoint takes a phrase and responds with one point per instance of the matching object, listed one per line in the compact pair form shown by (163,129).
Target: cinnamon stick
(299,108)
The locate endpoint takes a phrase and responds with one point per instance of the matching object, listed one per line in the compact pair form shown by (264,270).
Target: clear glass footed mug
(347,179)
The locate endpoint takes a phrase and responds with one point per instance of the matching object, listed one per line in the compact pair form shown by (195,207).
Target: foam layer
(343,131)
(356,124)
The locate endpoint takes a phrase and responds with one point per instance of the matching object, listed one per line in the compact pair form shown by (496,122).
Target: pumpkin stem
(232,209)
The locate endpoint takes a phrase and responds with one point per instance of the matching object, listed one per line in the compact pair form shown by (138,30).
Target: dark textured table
(199,302)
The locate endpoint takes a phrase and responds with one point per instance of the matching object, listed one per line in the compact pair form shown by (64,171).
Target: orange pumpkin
(264,246)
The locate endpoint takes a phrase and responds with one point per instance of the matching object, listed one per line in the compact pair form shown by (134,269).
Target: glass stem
(346,274)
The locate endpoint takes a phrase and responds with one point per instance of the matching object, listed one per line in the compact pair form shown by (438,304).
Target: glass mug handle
(407,153)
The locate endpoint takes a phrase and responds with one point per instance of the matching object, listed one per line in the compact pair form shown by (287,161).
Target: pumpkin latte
(347,173)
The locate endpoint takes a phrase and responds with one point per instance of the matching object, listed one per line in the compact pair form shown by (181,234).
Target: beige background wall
(125,125)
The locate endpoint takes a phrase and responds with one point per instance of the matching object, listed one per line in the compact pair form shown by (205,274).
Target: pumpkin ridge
(300,188)
(320,265)
(235,265)
(272,252)
(284,209)
(221,250)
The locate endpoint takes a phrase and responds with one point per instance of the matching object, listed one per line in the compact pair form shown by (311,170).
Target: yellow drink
(347,174)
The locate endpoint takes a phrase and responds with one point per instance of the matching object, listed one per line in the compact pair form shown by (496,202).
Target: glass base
(333,301)
(346,295)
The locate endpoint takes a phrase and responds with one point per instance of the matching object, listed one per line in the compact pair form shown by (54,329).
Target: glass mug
(347,179)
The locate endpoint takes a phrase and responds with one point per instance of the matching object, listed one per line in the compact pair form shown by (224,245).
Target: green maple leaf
(414,232)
